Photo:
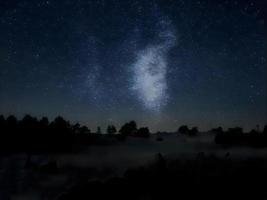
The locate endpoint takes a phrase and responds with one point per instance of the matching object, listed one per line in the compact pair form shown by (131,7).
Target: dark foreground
(206,177)
(44,160)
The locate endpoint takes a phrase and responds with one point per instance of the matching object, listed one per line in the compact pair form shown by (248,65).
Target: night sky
(163,63)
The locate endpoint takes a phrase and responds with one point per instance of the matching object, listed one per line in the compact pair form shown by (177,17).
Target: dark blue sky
(162,63)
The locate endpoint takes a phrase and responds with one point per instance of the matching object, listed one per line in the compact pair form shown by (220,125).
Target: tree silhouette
(193,131)
(183,129)
(12,121)
(11,133)
(61,133)
(44,122)
(236,131)
(265,130)
(84,130)
(143,132)
(2,121)
(2,125)
(217,130)
(98,130)
(60,123)
(111,129)
(31,135)
(128,128)
(253,132)
(132,126)
(78,129)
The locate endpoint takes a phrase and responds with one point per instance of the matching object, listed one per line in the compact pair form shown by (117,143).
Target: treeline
(236,136)
(187,131)
(39,135)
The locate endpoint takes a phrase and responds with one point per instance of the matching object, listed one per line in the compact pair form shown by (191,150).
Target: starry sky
(163,63)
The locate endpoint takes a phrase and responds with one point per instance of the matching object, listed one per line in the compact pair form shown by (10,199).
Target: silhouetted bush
(12,121)
(235,136)
(193,131)
(99,130)
(236,131)
(129,128)
(186,131)
(183,129)
(2,121)
(265,130)
(217,130)
(143,132)
(111,129)
(253,132)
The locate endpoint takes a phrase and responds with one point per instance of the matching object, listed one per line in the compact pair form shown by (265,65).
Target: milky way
(163,63)
(150,69)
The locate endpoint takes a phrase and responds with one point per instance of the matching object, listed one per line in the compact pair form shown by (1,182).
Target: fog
(100,162)
(136,151)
